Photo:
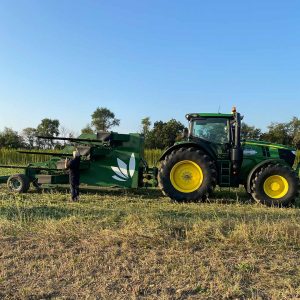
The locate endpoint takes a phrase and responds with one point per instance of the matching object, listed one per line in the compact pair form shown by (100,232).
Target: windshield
(211,129)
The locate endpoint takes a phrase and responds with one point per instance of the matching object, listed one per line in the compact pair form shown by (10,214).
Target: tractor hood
(269,150)
(267,144)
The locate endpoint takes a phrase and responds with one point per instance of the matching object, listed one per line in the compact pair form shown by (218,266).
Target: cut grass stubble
(139,245)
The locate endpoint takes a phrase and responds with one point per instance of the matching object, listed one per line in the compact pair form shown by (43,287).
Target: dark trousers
(74,191)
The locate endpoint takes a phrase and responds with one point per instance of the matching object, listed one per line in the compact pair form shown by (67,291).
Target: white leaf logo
(131,165)
(121,172)
(122,167)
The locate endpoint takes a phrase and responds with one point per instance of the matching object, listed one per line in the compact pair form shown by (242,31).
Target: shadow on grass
(224,195)
(36,212)
(42,212)
(220,195)
(150,194)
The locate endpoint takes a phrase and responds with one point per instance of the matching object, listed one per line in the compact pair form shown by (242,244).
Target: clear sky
(62,59)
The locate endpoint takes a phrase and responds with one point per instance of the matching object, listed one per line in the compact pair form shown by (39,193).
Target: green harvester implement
(107,159)
(210,154)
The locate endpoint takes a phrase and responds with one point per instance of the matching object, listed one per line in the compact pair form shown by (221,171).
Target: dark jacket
(74,174)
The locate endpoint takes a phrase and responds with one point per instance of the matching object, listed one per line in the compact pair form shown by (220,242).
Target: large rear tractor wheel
(18,183)
(275,185)
(187,174)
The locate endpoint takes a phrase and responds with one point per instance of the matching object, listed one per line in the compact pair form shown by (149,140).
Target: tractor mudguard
(258,166)
(199,145)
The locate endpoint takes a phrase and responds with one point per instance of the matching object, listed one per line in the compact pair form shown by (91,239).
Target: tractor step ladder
(225,167)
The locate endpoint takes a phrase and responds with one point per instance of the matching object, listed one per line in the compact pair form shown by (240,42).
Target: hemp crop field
(117,244)
(13,157)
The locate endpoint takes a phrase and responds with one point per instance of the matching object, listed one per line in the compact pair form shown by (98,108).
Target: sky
(64,58)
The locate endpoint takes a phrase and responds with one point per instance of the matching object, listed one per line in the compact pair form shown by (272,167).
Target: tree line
(102,119)
(159,136)
(286,133)
(164,134)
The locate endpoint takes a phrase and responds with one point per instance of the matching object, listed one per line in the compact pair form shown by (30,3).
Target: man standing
(74,175)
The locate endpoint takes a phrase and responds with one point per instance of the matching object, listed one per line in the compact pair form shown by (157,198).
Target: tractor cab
(214,128)
(221,132)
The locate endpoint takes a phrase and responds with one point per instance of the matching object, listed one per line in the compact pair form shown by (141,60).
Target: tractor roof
(207,115)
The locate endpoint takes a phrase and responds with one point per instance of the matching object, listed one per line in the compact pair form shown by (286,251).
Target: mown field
(117,244)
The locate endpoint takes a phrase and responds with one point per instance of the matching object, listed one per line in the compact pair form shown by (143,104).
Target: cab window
(211,129)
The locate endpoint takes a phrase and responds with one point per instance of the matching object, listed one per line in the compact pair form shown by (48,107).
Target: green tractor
(212,154)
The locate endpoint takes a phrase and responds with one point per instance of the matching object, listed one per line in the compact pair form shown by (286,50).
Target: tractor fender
(257,167)
(200,146)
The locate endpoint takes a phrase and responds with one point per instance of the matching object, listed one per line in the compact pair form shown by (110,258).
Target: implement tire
(275,185)
(18,183)
(187,174)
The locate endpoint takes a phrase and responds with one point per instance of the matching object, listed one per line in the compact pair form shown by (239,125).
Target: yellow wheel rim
(276,186)
(186,176)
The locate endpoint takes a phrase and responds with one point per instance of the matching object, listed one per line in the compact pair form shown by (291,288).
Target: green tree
(87,129)
(294,130)
(154,139)
(49,128)
(163,134)
(64,132)
(103,119)
(29,135)
(278,133)
(296,140)
(146,123)
(250,132)
(10,139)
(283,133)
(173,131)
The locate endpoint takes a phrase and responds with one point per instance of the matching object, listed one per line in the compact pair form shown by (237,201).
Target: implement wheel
(18,183)
(187,174)
(275,185)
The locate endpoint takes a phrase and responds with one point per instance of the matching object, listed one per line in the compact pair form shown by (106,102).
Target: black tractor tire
(194,157)
(18,183)
(287,192)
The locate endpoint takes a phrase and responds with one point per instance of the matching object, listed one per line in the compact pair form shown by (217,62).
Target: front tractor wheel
(18,183)
(275,185)
(187,174)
